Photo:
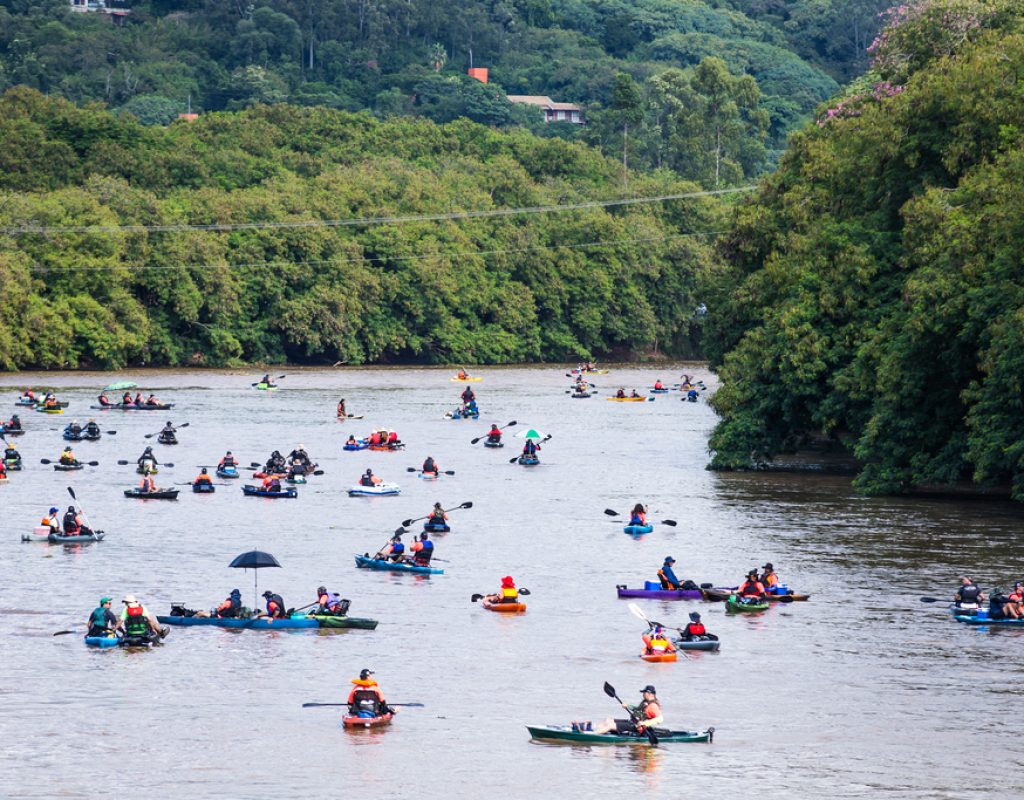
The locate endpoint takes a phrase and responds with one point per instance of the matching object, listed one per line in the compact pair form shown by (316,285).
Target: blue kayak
(227,472)
(636,530)
(259,491)
(203,488)
(529,461)
(102,641)
(982,618)
(659,391)
(365,562)
(354,447)
(489,443)
(436,527)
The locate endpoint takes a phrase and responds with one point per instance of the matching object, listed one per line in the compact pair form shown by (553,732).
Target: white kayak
(379,490)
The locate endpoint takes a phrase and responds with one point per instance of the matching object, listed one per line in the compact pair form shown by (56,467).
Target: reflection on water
(861,691)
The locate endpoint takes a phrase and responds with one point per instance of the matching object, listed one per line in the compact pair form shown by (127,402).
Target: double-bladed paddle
(345,705)
(478,438)
(163,464)
(610,691)
(475,597)
(407,522)
(670,522)
(89,463)
(278,378)
(151,435)
(516,458)
(443,471)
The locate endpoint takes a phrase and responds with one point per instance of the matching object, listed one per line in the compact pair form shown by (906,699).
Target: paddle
(345,705)
(64,633)
(164,464)
(478,438)
(291,611)
(934,600)
(514,460)
(636,611)
(413,469)
(89,463)
(278,378)
(407,522)
(610,691)
(670,522)
(475,597)
(80,509)
(151,435)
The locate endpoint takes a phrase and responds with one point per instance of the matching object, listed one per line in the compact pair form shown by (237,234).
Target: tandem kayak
(203,488)
(227,472)
(134,407)
(350,721)
(379,490)
(69,467)
(493,444)
(626,399)
(733,603)
(660,594)
(365,562)
(660,658)
(296,621)
(354,447)
(982,618)
(259,491)
(564,733)
(636,530)
(159,494)
(505,608)
(528,461)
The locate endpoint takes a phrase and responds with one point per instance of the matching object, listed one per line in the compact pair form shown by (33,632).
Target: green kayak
(564,733)
(345,622)
(732,603)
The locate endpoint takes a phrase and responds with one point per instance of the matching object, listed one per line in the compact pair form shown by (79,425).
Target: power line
(342,223)
(39,268)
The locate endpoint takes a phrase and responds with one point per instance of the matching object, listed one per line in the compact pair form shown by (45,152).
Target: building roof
(543,101)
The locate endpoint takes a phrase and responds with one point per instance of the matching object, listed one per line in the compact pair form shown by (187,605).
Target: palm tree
(438,56)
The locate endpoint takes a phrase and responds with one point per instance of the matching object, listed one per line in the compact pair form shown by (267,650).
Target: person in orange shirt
(272,483)
(422,551)
(203,477)
(769,579)
(147,484)
(366,698)
(655,641)
(646,714)
(752,587)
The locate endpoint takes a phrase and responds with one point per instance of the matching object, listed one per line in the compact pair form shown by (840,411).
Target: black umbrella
(254,560)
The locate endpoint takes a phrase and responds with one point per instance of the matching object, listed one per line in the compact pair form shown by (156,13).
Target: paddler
(137,622)
(29,395)
(68,457)
(330,604)
(494,434)
(231,607)
(266,381)
(422,551)
(369,479)
(470,409)
(275,605)
(366,700)
(658,384)
(227,461)
(14,424)
(341,409)
(462,374)
(147,456)
(467,395)
(667,575)
(647,713)
(275,463)
(752,588)
(621,392)
(74,428)
(272,483)
(102,621)
(695,630)
(351,441)
(656,642)
(51,520)
(430,467)
(167,434)
(508,593)
(531,448)
(11,455)
(127,399)
(202,479)
(638,516)
(393,440)
(969,596)
(634,394)
(50,401)
(150,401)
(147,484)
(92,429)
(3,471)
(104,400)
(74,525)
(393,550)
(437,515)
(770,580)
(299,456)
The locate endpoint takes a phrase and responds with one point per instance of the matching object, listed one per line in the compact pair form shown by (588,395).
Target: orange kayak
(659,658)
(366,722)
(506,608)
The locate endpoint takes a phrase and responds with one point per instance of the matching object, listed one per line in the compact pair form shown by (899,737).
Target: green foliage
(874,295)
(504,289)
(151,109)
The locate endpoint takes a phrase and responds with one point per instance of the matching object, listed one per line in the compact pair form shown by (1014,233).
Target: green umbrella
(531,433)
(120,385)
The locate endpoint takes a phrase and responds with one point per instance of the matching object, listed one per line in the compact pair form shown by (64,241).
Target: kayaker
(638,516)
(137,622)
(462,375)
(769,580)
(634,393)
(369,479)
(51,520)
(91,428)
(73,524)
(231,607)
(658,384)
(147,484)
(3,470)
(646,713)
(150,401)
(267,381)
(621,392)
(394,550)
(341,408)
(276,463)
(1014,605)
(138,399)
(656,642)
(393,441)
(102,621)
(691,395)
(531,448)
(351,441)
(508,593)
(299,456)
(68,457)
(50,401)
(272,483)
(494,434)
(147,456)
(276,608)
(667,575)
(29,395)
(330,603)
(968,597)
(437,515)
(366,700)
(74,428)
(375,439)
(227,461)
(203,478)
(470,409)
(11,455)
(127,399)
(104,400)
(467,395)
(695,629)
(422,551)
(430,466)
(167,434)
(752,588)
(14,424)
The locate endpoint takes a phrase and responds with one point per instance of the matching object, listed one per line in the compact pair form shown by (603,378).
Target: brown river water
(862,692)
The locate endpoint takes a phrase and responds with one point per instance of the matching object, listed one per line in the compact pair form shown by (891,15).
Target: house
(83,6)
(553,112)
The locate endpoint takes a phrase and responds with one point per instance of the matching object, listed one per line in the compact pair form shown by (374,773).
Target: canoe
(366,722)
(733,604)
(203,488)
(982,618)
(457,379)
(436,527)
(264,623)
(159,494)
(505,608)
(354,447)
(564,733)
(133,407)
(380,490)
(710,645)
(528,461)
(227,472)
(266,387)
(626,399)
(493,444)
(365,562)
(660,594)
(102,641)
(59,538)
(660,658)
(635,530)
(259,491)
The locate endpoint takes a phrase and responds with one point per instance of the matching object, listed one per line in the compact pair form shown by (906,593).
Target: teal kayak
(636,530)
(365,562)
(102,641)
(564,733)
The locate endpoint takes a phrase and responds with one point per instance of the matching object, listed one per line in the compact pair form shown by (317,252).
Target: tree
(628,104)
(438,56)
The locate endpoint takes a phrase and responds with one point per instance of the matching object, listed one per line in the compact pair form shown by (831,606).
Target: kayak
(659,391)
(578,371)
(505,608)
(577,396)
(69,467)
(457,379)
(350,721)
(168,439)
(266,387)
(493,444)
(626,399)
(102,641)
(40,533)
(733,604)
(528,461)
(258,491)
(227,472)
(203,488)
(353,447)
(51,410)
(365,562)
(460,415)
(12,431)
(564,733)
(297,478)
(146,466)
(660,658)
(388,448)
(636,530)
(380,490)
(710,645)
(436,527)
(134,407)
(159,494)
(82,538)
(660,594)
(335,621)
(13,466)
(296,621)
(982,618)
(25,401)
(429,476)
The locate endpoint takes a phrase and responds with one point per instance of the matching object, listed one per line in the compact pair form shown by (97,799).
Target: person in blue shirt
(667,576)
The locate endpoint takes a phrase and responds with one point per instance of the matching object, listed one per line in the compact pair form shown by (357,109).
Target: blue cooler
(652,586)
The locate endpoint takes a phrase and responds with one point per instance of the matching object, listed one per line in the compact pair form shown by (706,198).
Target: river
(862,692)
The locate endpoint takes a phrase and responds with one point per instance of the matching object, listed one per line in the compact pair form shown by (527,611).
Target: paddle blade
(513,460)
(93,463)
(784,599)
(636,611)
(650,731)
(44,461)
(167,464)
(524,592)
(410,469)
(670,522)
(72,493)
(610,690)
(449,472)
(63,633)
(111,433)
(611,513)
(318,472)
(930,599)
(405,523)
(513,422)
(122,463)
(466,505)
(476,597)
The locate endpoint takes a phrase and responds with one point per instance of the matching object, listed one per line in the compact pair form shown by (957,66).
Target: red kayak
(366,722)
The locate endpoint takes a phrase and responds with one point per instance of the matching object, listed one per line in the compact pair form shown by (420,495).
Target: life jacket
(658,645)
(375,438)
(71,525)
(99,621)
(392,437)
(695,629)
(659,385)
(494,435)
(769,580)
(135,623)
(330,601)
(424,553)
(365,699)
(234,605)
(751,589)
(436,518)
(637,519)
(147,484)
(202,479)
(75,429)
(969,594)
(646,710)
(397,548)
(127,399)
(530,448)
(228,461)
(278,609)
(429,466)
(666,582)
(366,480)
(67,458)
(92,428)
(509,595)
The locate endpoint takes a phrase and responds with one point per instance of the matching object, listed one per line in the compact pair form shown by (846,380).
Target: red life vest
(696,629)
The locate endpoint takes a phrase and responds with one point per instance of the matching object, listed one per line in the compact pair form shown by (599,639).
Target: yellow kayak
(627,399)
(465,380)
